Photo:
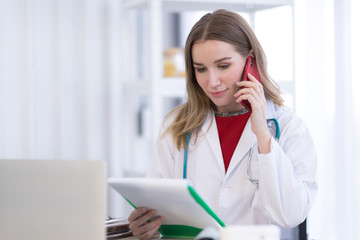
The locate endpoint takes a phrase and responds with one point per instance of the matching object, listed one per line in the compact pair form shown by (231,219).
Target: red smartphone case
(250,67)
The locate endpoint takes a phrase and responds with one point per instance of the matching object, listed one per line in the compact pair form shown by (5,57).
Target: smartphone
(250,67)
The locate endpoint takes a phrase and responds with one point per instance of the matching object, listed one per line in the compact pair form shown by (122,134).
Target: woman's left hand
(253,92)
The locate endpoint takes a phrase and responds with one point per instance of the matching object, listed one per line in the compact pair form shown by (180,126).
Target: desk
(154,238)
(134,238)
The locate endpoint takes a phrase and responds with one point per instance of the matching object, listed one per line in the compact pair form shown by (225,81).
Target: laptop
(52,199)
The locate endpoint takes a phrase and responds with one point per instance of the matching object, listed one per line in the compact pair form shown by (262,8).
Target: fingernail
(143,209)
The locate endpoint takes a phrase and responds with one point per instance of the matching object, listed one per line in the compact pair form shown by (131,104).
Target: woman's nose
(214,80)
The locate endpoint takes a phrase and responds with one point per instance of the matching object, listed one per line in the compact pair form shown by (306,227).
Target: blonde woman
(234,159)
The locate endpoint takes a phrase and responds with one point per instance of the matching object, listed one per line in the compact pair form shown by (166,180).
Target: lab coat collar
(270,110)
(209,129)
(247,140)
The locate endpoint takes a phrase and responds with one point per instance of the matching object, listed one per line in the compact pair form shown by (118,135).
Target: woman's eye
(224,66)
(200,70)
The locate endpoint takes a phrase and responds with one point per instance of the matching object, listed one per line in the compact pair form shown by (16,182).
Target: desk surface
(134,238)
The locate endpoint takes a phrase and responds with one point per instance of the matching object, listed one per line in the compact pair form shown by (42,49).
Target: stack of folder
(117,228)
(186,213)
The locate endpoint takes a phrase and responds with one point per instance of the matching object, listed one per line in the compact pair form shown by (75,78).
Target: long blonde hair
(229,27)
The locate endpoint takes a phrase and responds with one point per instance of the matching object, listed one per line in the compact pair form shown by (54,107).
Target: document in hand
(185,212)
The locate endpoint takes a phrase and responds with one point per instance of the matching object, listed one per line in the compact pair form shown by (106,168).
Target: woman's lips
(217,94)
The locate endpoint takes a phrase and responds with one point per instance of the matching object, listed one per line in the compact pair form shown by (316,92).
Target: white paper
(170,197)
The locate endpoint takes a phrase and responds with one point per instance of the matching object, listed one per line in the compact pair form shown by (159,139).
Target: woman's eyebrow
(222,59)
(216,61)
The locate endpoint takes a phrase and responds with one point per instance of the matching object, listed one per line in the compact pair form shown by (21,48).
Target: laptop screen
(52,199)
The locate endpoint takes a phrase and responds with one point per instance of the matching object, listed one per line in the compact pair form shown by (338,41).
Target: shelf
(166,87)
(210,5)
(147,100)
(172,87)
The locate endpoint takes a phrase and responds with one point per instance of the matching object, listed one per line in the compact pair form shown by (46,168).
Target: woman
(278,187)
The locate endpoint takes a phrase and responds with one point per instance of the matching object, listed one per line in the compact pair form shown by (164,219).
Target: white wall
(325,99)
(59,80)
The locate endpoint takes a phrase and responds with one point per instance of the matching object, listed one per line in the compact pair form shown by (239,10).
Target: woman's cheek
(233,77)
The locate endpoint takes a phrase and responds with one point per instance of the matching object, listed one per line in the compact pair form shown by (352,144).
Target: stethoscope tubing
(277,136)
(186,154)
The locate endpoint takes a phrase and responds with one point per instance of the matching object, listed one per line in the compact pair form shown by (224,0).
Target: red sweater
(230,130)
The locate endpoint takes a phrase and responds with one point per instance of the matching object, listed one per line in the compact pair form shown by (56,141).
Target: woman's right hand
(143,224)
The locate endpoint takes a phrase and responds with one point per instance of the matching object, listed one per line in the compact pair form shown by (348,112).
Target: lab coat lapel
(270,110)
(247,140)
(212,137)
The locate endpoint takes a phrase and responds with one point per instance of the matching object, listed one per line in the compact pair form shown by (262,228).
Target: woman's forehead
(212,48)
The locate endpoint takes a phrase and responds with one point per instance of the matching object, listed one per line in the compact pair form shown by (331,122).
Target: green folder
(185,212)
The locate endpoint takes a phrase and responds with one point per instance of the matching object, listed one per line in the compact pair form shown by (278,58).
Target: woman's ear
(251,53)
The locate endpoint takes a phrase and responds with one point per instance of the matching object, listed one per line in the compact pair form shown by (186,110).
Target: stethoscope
(248,170)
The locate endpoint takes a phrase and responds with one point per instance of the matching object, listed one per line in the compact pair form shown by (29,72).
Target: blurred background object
(174,62)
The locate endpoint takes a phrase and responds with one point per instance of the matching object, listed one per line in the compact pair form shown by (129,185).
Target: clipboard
(186,213)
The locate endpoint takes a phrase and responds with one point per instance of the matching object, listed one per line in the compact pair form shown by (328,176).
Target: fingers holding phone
(251,93)
(251,96)
(250,79)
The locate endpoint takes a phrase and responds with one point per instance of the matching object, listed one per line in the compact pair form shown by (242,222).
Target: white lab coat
(286,188)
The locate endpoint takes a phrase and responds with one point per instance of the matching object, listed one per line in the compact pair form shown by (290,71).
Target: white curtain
(59,80)
(327,66)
